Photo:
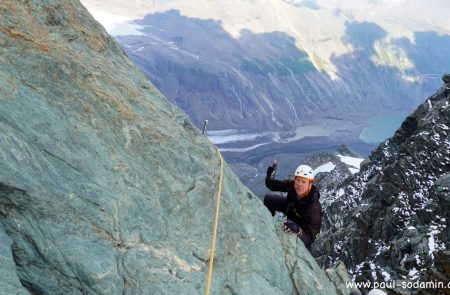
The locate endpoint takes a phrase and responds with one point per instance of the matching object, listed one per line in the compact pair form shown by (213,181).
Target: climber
(301,205)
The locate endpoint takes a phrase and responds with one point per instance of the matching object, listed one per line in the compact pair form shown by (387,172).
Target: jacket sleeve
(313,220)
(278,185)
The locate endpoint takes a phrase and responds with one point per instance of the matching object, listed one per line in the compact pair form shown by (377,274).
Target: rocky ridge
(390,221)
(107,188)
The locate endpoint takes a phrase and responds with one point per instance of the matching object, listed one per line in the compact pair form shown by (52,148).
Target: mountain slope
(277,65)
(390,221)
(107,188)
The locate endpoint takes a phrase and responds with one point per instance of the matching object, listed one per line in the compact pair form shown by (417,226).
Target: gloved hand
(271,170)
(291,227)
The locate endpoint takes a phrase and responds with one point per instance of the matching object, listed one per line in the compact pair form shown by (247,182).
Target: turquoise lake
(381,127)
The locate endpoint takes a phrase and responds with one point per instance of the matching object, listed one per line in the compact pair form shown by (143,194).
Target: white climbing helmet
(304,171)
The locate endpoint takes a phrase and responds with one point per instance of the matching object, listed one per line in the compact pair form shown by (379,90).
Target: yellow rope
(216,222)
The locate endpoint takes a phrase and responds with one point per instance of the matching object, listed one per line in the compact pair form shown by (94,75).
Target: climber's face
(302,186)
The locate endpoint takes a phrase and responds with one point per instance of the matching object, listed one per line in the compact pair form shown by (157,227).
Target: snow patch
(242,150)
(353,170)
(117,25)
(386,276)
(227,136)
(351,161)
(413,274)
(433,244)
(327,167)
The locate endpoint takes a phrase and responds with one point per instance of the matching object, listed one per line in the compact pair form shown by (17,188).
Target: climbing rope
(216,222)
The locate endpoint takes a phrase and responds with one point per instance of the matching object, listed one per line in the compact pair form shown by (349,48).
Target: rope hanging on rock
(216,222)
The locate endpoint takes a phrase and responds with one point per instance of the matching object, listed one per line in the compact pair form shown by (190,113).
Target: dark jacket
(306,212)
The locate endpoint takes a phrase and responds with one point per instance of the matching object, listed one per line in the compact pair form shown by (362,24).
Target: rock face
(106,188)
(391,220)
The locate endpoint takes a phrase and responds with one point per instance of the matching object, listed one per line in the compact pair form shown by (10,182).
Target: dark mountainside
(391,220)
(260,82)
(265,82)
(107,188)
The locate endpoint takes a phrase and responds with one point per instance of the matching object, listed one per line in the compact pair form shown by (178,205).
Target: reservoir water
(381,127)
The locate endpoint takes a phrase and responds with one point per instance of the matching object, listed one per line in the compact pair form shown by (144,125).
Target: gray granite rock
(10,283)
